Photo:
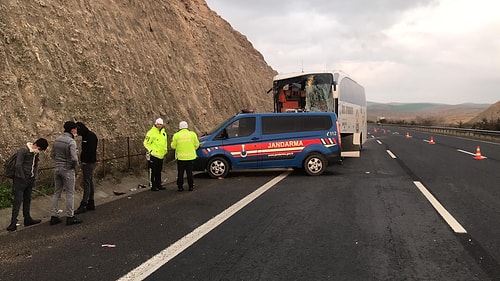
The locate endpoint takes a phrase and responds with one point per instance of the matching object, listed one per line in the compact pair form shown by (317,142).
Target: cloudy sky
(443,51)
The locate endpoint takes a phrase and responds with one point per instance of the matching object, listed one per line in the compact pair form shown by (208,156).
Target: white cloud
(401,51)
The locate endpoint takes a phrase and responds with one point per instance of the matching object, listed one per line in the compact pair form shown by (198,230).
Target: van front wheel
(315,164)
(217,167)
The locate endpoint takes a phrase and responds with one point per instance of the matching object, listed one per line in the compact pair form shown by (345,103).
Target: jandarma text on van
(285,144)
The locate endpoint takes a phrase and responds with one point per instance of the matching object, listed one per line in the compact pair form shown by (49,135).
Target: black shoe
(31,221)
(72,220)
(161,188)
(191,188)
(180,189)
(154,189)
(12,227)
(90,205)
(55,220)
(80,210)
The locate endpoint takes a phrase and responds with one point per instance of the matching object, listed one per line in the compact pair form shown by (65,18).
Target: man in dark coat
(24,181)
(88,159)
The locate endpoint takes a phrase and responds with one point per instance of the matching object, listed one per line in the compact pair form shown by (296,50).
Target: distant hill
(492,113)
(442,114)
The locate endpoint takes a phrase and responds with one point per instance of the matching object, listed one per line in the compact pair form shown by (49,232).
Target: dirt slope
(117,65)
(492,113)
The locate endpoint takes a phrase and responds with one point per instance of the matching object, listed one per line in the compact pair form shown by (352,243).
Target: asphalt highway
(404,210)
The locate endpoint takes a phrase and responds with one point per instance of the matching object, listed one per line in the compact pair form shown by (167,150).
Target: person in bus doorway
(88,159)
(185,143)
(156,146)
(26,170)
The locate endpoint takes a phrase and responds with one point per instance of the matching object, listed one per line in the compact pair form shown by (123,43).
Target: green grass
(6,195)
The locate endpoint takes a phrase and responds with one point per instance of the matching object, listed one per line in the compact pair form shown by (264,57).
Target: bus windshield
(308,92)
(319,95)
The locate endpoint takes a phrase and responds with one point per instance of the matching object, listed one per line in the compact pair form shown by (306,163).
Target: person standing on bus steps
(88,159)
(64,153)
(156,145)
(26,171)
(185,143)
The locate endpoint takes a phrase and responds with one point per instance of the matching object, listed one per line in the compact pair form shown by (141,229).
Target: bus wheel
(217,167)
(315,164)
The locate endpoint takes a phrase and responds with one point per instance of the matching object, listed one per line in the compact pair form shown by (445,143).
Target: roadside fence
(114,157)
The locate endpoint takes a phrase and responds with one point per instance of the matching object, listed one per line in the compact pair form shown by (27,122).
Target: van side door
(239,142)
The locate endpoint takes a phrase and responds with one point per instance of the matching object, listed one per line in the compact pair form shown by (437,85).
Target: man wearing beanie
(64,154)
(156,146)
(185,143)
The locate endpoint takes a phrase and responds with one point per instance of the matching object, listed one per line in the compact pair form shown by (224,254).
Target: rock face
(491,114)
(117,65)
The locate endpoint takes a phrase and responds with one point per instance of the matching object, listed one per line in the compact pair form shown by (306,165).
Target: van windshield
(214,129)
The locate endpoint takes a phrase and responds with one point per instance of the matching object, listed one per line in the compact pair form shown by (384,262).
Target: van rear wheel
(217,167)
(315,164)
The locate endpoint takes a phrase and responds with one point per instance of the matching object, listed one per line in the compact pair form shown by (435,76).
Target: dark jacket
(89,144)
(26,163)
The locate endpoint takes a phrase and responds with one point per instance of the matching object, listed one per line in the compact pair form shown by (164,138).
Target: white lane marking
(470,153)
(147,268)
(379,142)
(391,154)
(466,152)
(452,222)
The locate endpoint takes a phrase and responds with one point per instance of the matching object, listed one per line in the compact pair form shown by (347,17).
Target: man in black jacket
(24,181)
(88,159)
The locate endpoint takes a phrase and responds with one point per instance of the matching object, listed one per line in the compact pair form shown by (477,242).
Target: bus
(326,92)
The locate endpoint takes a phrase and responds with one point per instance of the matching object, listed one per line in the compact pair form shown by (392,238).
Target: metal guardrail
(463,132)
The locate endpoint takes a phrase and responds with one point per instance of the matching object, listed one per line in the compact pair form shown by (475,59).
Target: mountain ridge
(439,112)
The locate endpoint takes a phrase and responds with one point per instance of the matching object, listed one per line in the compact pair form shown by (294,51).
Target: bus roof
(341,75)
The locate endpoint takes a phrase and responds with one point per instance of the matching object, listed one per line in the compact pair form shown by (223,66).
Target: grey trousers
(64,179)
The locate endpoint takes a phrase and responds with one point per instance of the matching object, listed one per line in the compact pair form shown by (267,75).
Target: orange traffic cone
(432,140)
(408,135)
(478,155)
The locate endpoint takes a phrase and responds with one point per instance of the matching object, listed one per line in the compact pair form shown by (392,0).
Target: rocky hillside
(118,65)
(492,113)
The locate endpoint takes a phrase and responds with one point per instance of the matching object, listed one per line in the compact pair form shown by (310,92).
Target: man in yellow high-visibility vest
(185,143)
(156,145)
